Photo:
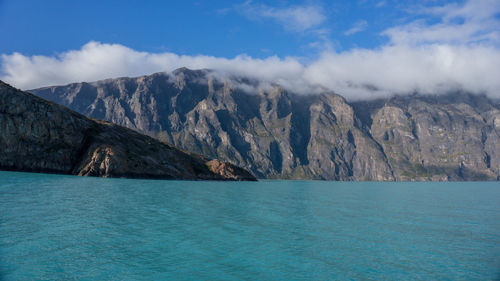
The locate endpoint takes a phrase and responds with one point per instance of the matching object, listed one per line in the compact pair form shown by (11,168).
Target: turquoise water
(62,227)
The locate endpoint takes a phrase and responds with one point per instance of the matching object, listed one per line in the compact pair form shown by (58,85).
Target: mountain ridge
(41,136)
(279,134)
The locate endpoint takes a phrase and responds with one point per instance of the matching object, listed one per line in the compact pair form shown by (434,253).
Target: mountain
(39,136)
(279,134)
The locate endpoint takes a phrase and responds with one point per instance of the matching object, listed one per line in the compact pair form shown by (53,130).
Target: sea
(57,227)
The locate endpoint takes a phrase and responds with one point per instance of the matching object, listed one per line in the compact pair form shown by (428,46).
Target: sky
(356,48)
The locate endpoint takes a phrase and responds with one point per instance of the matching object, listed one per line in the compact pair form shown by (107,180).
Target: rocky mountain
(39,136)
(279,134)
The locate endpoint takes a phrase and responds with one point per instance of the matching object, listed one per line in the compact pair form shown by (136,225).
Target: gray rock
(278,134)
(40,136)
(439,138)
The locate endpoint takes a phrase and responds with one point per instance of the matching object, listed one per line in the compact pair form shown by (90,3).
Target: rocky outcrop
(228,171)
(39,136)
(278,134)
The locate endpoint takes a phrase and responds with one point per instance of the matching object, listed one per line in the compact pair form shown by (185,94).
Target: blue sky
(218,28)
(307,46)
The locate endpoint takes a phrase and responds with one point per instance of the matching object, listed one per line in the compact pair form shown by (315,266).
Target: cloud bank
(459,52)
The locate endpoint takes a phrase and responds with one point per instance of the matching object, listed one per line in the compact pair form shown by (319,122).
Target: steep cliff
(39,136)
(449,137)
(278,134)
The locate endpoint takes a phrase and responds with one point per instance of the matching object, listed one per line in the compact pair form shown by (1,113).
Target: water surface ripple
(56,227)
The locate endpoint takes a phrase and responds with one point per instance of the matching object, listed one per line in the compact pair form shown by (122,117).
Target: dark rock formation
(278,134)
(39,136)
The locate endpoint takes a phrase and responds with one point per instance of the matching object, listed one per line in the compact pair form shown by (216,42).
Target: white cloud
(403,69)
(391,69)
(357,27)
(307,19)
(96,61)
(402,66)
(295,18)
(473,22)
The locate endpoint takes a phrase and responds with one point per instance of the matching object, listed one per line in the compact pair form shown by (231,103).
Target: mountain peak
(276,133)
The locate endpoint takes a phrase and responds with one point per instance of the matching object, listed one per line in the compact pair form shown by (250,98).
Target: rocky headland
(40,136)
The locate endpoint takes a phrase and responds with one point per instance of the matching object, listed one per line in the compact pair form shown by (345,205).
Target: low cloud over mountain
(458,51)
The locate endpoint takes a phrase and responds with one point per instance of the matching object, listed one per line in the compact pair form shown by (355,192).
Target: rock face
(39,136)
(278,134)
(452,137)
